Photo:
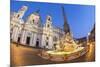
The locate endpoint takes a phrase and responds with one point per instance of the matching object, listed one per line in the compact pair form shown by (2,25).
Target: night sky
(81,18)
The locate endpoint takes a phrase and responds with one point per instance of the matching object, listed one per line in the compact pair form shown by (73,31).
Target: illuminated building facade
(31,32)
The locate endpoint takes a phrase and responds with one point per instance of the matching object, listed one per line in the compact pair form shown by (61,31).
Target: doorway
(37,43)
(18,40)
(28,40)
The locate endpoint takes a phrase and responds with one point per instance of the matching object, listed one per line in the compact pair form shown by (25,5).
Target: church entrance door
(18,40)
(37,43)
(28,40)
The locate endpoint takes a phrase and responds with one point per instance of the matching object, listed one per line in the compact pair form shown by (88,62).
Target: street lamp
(88,37)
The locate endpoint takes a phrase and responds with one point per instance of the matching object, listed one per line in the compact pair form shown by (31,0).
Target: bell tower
(21,12)
(48,22)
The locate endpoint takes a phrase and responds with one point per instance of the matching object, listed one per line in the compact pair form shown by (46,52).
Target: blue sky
(81,18)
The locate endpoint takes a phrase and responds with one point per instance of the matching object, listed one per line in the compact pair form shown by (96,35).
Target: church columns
(32,39)
(23,37)
(15,33)
(43,41)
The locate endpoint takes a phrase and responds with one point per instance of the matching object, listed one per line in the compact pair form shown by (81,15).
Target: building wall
(43,37)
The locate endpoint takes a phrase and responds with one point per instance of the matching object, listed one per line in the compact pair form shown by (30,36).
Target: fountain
(66,49)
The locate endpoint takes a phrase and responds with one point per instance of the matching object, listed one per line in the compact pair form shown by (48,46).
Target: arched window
(49,19)
(47,38)
(33,20)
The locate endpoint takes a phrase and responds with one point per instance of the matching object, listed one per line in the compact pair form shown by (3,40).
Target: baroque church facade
(31,32)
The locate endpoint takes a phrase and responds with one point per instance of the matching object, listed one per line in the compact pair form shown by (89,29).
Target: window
(48,25)
(18,16)
(49,18)
(47,38)
(46,43)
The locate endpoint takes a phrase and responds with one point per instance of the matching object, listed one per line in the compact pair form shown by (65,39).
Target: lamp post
(88,38)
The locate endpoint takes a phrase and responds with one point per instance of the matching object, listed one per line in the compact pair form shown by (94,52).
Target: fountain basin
(63,55)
